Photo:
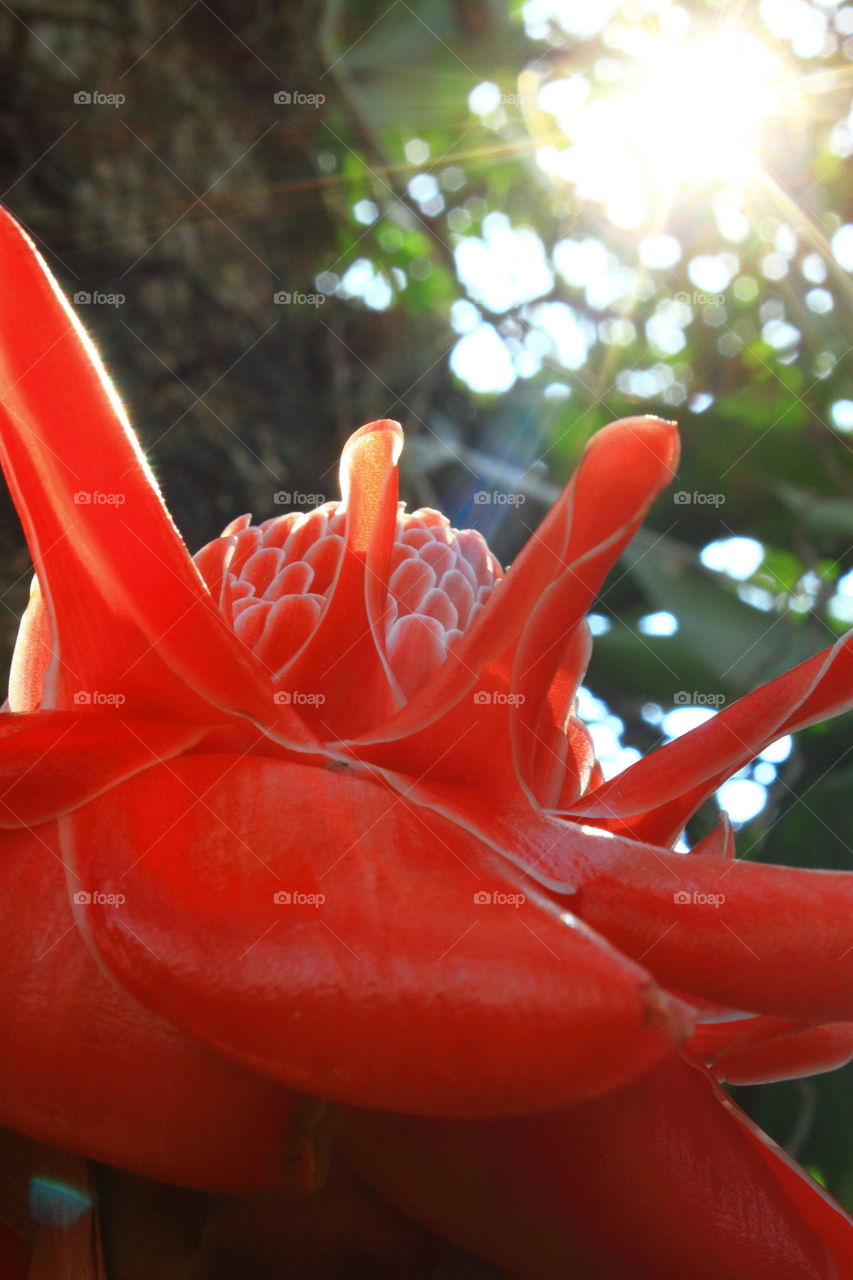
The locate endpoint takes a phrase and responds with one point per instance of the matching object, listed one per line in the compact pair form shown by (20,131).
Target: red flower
(320,806)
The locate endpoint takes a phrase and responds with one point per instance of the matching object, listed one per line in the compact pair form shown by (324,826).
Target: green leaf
(740,646)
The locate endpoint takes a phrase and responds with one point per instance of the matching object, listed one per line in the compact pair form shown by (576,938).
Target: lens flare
(700,111)
(687,112)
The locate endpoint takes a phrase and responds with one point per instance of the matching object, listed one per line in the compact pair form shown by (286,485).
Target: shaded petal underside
(655,1181)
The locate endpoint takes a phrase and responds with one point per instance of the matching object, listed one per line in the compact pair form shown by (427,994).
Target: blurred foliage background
(504,224)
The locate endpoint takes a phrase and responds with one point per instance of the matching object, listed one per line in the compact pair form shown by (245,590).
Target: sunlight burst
(687,112)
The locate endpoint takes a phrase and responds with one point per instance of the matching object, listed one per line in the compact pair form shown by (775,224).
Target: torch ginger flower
(319,805)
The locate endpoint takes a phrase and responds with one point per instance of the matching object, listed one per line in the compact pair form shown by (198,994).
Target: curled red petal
(757,1050)
(563,537)
(816,1207)
(130,614)
(655,797)
(622,471)
(87,1068)
(402,964)
(53,761)
(343,659)
(515,671)
(543,747)
(770,939)
(659,1180)
(719,843)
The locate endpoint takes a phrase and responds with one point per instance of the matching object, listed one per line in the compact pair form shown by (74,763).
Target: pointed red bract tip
(370,454)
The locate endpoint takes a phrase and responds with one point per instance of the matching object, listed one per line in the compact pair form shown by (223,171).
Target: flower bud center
(272,581)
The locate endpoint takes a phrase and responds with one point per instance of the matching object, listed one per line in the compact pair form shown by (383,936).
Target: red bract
(320,807)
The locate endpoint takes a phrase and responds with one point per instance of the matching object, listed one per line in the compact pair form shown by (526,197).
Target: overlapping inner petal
(272,582)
